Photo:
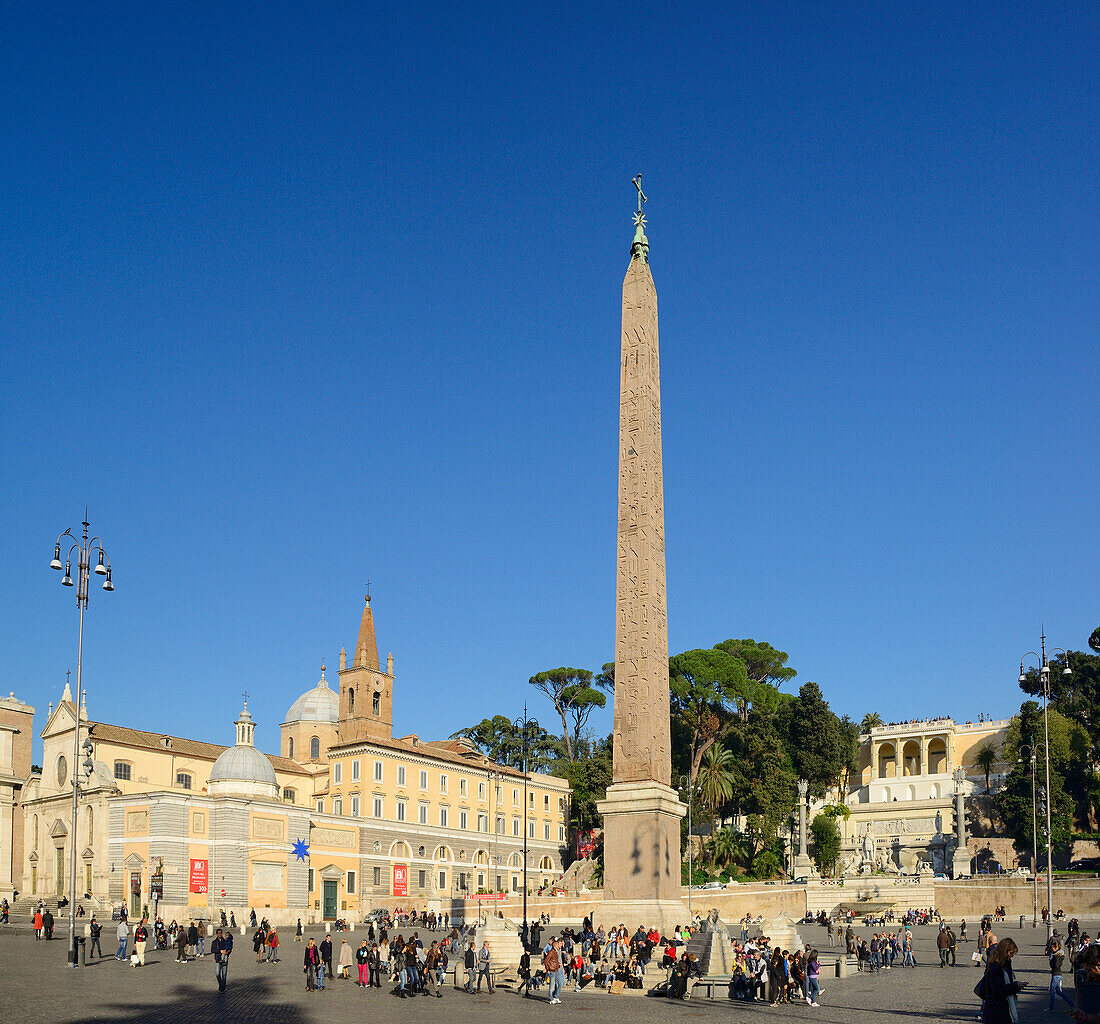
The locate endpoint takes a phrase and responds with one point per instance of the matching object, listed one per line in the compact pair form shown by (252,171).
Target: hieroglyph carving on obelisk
(642,748)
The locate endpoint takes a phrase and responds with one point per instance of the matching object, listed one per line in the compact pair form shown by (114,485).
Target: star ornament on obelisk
(641,811)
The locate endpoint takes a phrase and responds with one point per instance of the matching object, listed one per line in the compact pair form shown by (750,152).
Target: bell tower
(366,692)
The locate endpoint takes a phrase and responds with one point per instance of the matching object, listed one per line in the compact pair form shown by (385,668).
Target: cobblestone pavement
(37,986)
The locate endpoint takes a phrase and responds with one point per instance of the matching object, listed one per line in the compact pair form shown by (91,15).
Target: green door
(135,895)
(330,901)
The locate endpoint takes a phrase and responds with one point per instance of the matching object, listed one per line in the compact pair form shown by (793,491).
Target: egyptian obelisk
(641,811)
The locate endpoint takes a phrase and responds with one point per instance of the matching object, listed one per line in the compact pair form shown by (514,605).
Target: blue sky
(294,296)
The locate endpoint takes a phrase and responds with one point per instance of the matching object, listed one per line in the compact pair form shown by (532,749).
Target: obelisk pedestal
(641,811)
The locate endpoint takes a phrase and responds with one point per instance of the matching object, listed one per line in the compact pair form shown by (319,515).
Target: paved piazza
(37,986)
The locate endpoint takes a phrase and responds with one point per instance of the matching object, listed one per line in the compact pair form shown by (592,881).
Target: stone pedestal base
(641,856)
(803,866)
(960,863)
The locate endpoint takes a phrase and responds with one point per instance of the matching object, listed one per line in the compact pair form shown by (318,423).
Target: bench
(713,983)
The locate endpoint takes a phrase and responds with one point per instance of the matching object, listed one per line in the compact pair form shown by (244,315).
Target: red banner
(198,876)
(400,880)
(487,896)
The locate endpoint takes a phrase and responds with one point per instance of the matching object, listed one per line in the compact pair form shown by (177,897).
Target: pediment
(58,829)
(331,871)
(133,862)
(88,853)
(33,856)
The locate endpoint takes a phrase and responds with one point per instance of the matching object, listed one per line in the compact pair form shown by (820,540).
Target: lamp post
(522,725)
(84,549)
(686,782)
(1044,676)
(1034,831)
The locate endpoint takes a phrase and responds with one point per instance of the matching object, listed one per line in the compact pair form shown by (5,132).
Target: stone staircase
(906,892)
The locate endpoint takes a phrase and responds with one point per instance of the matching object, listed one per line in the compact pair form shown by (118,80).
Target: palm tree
(726,847)
(714,783)
(871,720)
(986,758)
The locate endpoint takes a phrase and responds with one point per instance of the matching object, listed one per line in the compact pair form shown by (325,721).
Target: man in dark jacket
(326,960)
(221,947)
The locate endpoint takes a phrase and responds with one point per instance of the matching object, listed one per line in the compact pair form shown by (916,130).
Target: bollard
(83,961)
(1022,920)
(328,927)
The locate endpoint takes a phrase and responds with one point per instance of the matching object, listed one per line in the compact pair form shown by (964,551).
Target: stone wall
(974,897)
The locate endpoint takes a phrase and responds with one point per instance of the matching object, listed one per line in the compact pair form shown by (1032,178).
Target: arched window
(400,851)
(377,704)
(443,853)
(314,749)
(937,757)
(546,864)
(290,748)
(89,827)
(886,761)
(351,700)
(910,758)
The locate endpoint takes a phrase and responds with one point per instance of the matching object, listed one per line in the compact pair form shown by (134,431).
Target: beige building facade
(902,808)
(16,734)
(346,818)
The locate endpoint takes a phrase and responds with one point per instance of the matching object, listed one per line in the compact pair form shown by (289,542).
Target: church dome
(321,704)
(242,764)
(242,770)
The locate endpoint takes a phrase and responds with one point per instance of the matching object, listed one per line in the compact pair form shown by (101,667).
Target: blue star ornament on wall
(301,849)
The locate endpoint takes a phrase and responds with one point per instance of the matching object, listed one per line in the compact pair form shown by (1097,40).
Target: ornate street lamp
(1044,675)
(84,549)
(522,724)
(686,782)
(1030,747)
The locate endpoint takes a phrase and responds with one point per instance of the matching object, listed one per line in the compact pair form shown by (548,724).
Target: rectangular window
(337,806)
(442,879)
(442,783)
(561,803)
(377,876)
(122,770)
(531,830)
(377,771)
(443,817)
(337,773)
(422,815)
(500,824)
(531,800)
(561,833)
(463,820)
(483,823)
(423,878)
(515,798)
(183,779)
(401,775)
(423,780)
(400,810)
(546,830)
(515,826)
(378,807)
(320,807)
(499,793)
(355,770)
(546,802)
(289,795)
(351,883)
(355,807)
(480,790)
(481,880)
(461,787)
(309,884)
